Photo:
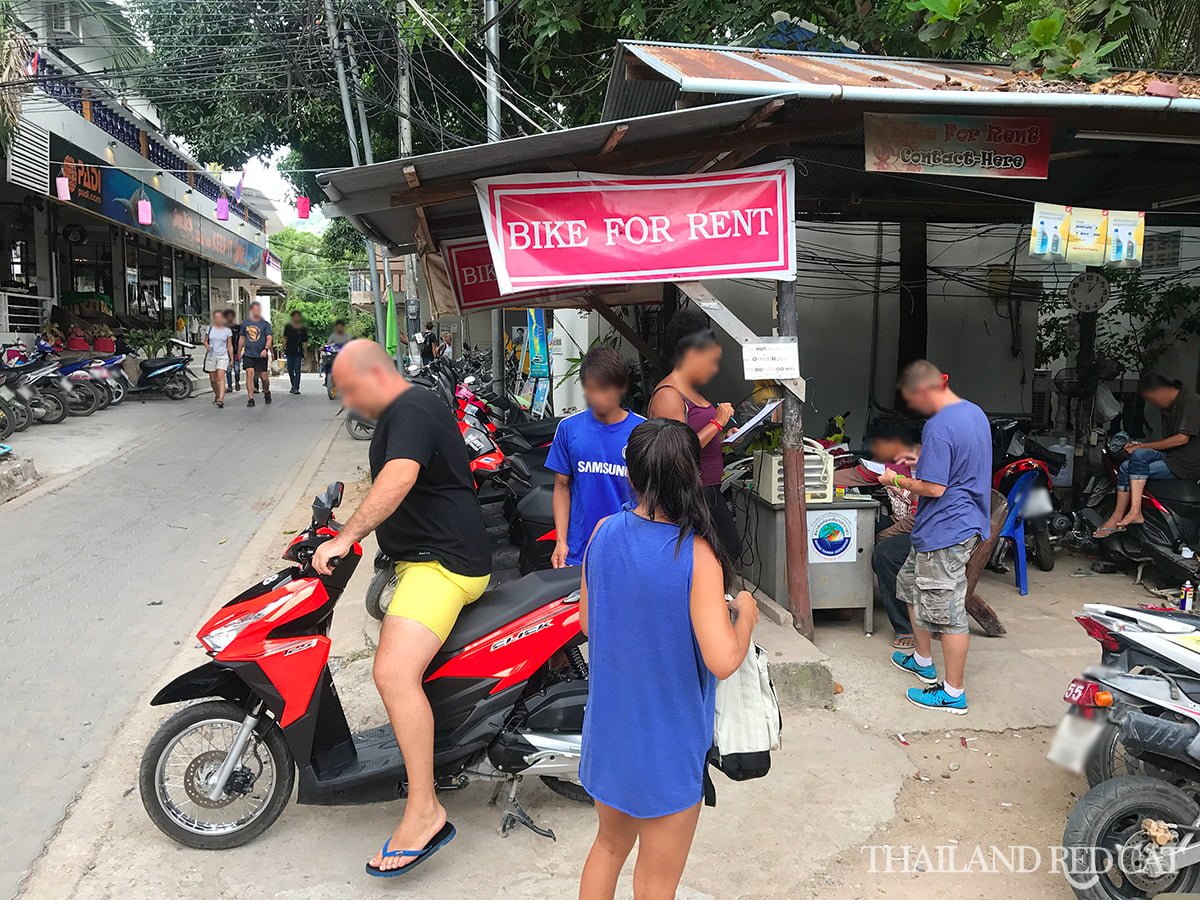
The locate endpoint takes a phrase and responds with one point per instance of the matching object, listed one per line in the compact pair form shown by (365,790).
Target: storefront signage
(771,357)
(833,537)
(971,146)
(473,277)
(535,337)
(114,194)
(1087,237)
(583,228)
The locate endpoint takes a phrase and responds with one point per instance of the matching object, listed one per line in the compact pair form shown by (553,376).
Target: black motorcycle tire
(272,738)
(82,400)
(330,388)
(379,592)
(54,408)
(8,421)
(1108,758)
(22,415)
(568,789)
(358,429)
(177,387)
(1128,798)
(1043,550)
(102,394)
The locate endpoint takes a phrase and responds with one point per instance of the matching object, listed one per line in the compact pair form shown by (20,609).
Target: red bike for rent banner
(582,228)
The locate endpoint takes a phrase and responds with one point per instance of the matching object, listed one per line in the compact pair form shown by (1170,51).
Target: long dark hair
(663,457)
(688,329)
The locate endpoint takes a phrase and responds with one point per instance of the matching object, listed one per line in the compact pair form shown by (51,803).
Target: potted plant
(77,340)
(104,340)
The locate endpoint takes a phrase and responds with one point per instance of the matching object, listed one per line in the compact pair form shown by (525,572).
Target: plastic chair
(1014,527)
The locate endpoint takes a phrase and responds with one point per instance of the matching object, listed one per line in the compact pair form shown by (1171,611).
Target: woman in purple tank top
(696,356)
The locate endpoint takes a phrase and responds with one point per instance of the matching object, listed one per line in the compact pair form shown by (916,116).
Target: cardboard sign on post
(581,228)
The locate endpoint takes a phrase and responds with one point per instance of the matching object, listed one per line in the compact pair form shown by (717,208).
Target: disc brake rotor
(198,777)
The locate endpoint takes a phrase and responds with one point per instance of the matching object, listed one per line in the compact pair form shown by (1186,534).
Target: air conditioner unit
(66,24)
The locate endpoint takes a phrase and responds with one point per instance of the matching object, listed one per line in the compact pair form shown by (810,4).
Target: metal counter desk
(841,539)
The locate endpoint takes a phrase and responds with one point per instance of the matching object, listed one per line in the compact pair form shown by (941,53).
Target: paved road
(107,573)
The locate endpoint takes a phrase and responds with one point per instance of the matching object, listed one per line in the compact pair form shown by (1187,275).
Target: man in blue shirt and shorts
(953,484)
(588,455)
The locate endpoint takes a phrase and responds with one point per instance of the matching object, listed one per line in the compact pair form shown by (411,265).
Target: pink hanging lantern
(62,187)
(222,208)
(303,204)
(145,214)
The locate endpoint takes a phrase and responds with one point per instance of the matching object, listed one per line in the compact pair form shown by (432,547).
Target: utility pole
(335,47)
(369,152)
(411,305)
(491,13)
(795,512)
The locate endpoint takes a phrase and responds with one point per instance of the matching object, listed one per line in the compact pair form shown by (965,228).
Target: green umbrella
(392,339)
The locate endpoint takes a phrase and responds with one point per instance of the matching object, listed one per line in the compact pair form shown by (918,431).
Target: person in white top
(218,346)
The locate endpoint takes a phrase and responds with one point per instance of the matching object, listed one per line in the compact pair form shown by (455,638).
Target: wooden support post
(614,319)
(795,512)
(912,343)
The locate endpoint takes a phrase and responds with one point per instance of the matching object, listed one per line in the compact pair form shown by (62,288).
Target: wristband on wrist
(895,480)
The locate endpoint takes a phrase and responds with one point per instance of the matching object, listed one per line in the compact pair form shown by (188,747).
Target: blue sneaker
(906,663)
(936,698)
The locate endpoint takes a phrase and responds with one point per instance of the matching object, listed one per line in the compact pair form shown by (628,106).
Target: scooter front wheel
(184,757)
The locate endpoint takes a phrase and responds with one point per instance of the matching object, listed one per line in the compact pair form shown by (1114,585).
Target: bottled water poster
(1048,236)
(1126,234)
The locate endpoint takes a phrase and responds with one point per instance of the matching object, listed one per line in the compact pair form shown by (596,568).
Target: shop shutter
(28,162)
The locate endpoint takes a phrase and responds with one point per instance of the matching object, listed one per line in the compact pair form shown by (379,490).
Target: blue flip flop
(436,843)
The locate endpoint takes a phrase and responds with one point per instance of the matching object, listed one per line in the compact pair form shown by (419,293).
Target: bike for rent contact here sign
(971,146)
(582,228)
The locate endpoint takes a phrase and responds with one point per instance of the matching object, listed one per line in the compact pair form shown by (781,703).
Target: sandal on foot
(904,642)
(1101,533)
(436,843)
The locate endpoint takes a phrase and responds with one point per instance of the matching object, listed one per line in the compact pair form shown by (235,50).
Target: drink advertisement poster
(1048,236)
(961,146)
(1085,240)
(1126,235)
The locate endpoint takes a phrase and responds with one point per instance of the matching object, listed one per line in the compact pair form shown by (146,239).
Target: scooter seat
(1179,490)
(537,505)
(149,365)
(509,602)
(537,431)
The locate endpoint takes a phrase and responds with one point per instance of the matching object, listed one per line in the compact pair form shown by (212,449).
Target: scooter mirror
(469,380)
(334,494)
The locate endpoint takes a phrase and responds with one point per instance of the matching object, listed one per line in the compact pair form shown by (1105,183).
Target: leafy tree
(317,285)
(1145,317)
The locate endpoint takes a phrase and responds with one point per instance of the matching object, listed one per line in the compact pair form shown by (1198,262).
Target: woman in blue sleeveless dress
(659,635)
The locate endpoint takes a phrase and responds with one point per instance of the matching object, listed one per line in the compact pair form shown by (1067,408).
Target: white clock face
(1088,292)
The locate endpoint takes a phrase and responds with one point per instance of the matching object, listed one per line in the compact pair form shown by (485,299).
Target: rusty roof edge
(929,96)
(856,57)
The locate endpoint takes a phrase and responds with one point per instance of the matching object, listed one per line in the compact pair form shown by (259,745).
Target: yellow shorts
(429,593)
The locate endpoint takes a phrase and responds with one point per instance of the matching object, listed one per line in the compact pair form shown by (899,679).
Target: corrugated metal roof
(379,199)
(650,77)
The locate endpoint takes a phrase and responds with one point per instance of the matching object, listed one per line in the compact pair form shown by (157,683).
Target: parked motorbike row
(38,387)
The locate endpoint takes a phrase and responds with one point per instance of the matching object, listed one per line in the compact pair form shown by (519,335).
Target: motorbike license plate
(7,393)
(1074,741)
(66,385)
(1037,503)
(25,391)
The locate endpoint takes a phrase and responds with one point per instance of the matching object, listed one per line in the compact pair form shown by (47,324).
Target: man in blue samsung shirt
(953,484)
(588,455)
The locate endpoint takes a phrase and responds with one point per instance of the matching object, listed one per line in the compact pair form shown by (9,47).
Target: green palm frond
(15,51)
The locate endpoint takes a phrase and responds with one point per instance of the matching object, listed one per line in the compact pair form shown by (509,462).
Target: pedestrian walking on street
(429,341)
(218,351)
(424,510)
(659,636)
(295,337)
(953,482)
(254,349)
(233,375)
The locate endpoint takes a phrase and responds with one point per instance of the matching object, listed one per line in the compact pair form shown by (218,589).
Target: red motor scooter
(508,690)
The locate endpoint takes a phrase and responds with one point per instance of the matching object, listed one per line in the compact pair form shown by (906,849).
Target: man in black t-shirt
(295,337)
(424,510)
